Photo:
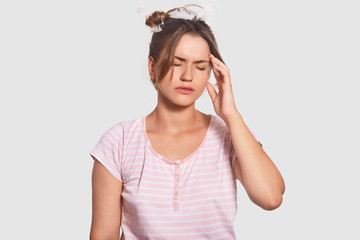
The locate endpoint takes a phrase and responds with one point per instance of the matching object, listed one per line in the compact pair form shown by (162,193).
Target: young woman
(172,174)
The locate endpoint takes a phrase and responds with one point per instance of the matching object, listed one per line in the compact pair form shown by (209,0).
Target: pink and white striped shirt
(190,198)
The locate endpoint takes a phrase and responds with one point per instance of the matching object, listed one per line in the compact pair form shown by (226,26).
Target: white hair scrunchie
(188,12)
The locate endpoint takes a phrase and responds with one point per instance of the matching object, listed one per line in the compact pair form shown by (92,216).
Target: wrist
(234,117)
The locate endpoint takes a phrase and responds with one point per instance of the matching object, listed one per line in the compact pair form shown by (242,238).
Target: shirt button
(177,180)
(176,193)
(177,165)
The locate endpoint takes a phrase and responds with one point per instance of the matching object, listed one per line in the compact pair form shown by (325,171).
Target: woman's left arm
(253,167)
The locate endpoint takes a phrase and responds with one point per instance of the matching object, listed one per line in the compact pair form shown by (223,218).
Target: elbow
(269,198)
(272,202)
(275,199)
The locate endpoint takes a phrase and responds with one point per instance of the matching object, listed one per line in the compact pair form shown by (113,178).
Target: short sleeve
(233,152)
(108,150)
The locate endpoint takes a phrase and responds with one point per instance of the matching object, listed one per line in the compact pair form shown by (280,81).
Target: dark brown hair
(163,43)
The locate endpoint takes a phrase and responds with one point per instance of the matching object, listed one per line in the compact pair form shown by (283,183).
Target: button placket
(177,185)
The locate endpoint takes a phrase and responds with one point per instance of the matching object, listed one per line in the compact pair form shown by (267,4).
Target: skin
(175,112)
(253,167)
(106,204)
(176,120)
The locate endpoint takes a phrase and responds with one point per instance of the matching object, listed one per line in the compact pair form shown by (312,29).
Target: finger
(220,73)
(212,92)
(217,61)
(216,72)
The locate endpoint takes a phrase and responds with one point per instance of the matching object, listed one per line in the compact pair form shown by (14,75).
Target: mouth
(186,90)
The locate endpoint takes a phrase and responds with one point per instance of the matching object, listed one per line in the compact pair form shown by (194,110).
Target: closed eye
(179,65)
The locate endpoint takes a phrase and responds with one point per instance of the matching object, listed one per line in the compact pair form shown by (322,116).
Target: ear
(151,66)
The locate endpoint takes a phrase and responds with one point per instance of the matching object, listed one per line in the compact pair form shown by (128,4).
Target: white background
(69,70)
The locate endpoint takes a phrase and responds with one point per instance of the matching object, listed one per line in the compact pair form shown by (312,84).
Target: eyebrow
(183,60)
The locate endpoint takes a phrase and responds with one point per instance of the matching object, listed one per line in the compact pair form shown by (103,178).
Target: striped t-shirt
(190,198)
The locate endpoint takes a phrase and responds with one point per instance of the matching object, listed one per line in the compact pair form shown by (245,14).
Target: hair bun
(156,18)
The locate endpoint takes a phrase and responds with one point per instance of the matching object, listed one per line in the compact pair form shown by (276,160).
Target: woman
(172,174)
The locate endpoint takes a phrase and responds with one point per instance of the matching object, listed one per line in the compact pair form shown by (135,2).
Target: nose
(186,74)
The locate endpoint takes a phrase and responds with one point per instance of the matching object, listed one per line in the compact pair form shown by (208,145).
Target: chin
(183,103)
(178,99)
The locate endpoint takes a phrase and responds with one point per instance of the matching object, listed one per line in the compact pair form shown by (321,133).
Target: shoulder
(124,127)
(218,125)
(132,125)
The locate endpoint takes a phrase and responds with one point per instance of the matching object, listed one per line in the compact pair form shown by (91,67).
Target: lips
(185,90)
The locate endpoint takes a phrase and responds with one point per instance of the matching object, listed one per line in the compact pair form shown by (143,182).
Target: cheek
(204,76)
(166,81)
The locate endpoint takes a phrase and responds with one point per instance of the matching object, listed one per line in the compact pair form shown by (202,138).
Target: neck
(174,118)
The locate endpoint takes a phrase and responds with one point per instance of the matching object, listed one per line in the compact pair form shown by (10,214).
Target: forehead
(192,48)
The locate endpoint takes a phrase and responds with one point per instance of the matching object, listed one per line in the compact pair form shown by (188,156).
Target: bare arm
(106,204)
(254,168)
